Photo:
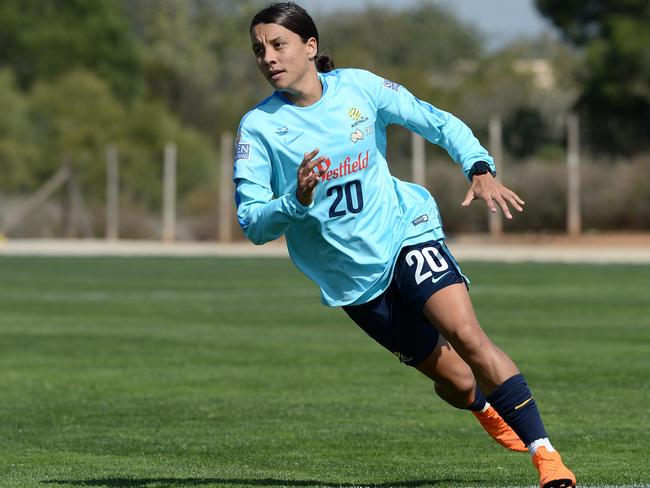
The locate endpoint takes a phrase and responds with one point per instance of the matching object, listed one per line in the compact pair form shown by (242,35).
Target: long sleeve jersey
(347,240)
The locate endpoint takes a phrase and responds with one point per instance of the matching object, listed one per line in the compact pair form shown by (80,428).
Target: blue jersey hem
(436,234)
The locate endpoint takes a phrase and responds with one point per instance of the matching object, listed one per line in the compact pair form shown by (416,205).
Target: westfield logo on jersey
(347,167)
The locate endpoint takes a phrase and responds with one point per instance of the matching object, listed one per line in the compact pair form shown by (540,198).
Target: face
(283,58)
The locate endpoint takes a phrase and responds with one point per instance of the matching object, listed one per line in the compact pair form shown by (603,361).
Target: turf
(228,372)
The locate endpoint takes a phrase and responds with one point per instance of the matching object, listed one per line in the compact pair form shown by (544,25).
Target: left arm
(396,105)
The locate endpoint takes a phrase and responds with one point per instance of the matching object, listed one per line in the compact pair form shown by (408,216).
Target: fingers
(308,182)
(314,163)
(502,200)
(515,201)
(310,155)
(489,201)
(308,163)
(469,198)
(307,177)
(504,207)
(495,196)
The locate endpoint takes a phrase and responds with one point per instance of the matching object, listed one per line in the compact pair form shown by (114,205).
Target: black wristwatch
(481,168)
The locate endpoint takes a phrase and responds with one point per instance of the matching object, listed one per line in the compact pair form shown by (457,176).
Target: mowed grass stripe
(163,372)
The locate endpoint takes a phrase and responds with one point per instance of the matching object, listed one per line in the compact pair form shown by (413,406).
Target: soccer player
(310,164)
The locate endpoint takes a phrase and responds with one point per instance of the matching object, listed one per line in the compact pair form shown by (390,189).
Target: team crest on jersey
(355,114)
(359,134)
(356,136)
(243,151)
(391,85)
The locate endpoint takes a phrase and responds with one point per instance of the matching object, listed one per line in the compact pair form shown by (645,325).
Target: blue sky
(501,20)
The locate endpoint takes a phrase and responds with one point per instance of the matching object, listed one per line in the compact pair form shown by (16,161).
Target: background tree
(17,151)
(80,74)
(197,59)
(75,118)
(528,85)
(41,39)
(425,47)
(148,127)
(615,98)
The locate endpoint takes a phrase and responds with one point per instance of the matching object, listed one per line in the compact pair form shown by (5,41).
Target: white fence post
(169,194)
(574,219)
(226,201)
(495,220)
(77,218)
(112,193)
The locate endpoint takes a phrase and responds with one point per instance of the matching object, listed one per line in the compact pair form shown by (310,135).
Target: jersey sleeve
(261,216)
(396,105)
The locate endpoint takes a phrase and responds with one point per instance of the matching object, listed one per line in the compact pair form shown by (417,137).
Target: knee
(469,336)
(465,385)
(458,393)
(456,386)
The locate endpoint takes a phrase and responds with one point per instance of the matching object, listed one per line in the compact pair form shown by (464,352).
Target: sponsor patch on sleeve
(421,219)
(242,151)
(391,85)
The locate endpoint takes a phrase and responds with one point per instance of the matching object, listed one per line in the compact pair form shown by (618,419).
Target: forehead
(267,32)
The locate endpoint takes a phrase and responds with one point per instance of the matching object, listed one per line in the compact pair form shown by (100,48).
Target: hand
(308,178)
(490,190)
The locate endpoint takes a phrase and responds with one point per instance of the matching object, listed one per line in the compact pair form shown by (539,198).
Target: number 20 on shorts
(429,256)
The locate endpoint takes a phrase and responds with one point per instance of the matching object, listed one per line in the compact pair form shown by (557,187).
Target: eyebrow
(279,38)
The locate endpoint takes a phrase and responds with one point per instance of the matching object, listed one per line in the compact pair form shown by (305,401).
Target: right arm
(261,217)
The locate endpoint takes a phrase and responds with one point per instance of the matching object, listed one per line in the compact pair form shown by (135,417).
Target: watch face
(480,168)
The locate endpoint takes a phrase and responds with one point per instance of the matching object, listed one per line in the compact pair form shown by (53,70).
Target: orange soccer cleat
(499,430)
(552,472)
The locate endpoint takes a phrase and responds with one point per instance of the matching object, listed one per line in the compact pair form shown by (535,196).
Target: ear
(312,48)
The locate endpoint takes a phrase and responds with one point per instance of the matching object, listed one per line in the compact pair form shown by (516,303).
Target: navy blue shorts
(394,319)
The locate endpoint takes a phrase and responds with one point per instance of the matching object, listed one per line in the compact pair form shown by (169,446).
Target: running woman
(310,164)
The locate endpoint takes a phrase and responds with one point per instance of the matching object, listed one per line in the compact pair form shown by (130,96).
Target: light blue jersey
(348,238)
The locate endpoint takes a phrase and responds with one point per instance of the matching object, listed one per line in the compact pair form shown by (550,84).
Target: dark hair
(295,18)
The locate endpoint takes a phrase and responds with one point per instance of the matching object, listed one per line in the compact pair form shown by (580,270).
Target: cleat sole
(562,483)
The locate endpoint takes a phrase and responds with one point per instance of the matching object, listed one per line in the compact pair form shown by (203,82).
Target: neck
(308,94)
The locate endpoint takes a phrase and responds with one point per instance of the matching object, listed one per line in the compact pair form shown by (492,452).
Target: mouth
(275,75)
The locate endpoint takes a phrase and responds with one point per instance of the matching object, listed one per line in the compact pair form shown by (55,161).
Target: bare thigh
(450,310)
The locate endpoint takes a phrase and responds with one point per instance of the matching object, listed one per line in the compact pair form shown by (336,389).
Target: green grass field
(213,372)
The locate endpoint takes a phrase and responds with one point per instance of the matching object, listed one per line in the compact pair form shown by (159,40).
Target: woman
(310,164)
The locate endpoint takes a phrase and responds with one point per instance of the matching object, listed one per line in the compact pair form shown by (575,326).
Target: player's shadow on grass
(171,482)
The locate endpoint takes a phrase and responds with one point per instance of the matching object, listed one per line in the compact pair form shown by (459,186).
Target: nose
(269,57)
